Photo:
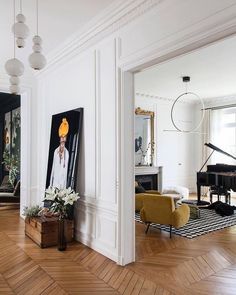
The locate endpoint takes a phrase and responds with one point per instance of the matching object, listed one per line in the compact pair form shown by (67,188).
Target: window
(223,134)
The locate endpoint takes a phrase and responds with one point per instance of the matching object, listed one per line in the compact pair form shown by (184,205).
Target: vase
(61,246)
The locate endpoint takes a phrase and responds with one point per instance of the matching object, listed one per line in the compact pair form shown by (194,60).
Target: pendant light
(20,29)
(185,98)
(14,67)
(36,59)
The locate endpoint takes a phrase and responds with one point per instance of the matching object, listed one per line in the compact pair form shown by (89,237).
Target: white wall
(88,81)
(89,73)
(175,151)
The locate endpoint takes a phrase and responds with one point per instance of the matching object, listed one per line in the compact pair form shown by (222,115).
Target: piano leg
(198,194)
(199,202)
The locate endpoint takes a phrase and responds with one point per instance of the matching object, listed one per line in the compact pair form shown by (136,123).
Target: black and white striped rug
(209,221)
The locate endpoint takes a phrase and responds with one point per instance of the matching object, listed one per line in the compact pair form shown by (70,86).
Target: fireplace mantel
(142,170)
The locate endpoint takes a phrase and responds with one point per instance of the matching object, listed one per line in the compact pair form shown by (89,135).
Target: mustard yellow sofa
(161,209)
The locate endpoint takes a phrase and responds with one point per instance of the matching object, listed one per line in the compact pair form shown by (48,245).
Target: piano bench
(220,193)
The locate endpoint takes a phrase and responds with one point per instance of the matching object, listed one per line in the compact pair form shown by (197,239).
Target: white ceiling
(58,19)
(212,70)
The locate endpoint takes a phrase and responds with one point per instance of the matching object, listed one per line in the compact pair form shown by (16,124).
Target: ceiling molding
(209,102)
(209,30)
(153,96)
(221,100)
(112,19)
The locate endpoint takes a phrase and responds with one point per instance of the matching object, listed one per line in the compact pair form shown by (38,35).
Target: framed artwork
(144,137)
(7,132)
(64,149)
(16,125)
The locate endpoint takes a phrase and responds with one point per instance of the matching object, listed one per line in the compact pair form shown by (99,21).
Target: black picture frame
(72,145)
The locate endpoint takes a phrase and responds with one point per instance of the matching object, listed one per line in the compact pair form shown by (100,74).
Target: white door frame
(126,228)
(25,169)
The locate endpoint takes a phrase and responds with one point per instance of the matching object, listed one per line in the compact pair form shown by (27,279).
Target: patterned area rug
(209,221)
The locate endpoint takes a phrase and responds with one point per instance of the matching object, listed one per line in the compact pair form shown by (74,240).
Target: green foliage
(11,163)
(32,211)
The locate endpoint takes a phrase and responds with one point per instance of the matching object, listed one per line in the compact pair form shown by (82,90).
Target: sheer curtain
(223,134)
(219,128)
(206,135)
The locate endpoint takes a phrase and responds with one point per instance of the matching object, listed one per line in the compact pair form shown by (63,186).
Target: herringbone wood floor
(206,265)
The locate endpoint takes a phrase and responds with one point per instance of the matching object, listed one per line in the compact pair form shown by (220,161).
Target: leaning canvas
(64,149)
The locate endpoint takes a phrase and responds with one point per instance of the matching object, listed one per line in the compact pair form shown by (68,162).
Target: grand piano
(222,176)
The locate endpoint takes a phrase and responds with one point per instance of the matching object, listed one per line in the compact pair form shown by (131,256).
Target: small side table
(194,209)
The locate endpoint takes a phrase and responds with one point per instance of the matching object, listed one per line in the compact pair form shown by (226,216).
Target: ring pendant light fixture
(186,79)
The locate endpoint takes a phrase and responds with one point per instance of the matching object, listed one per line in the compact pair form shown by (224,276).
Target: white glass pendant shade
(37,40)
(14,80)
(20,42)
(14,67)
(36,59)
(14,89)
(20,30)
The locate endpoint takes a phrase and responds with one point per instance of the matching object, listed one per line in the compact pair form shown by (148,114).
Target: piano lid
(215,148)
(212,146)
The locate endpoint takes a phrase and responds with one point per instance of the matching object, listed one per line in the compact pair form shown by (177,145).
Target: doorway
(127,132)
(10,150)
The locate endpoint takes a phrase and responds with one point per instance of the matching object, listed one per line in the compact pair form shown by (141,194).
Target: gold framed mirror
(144,137)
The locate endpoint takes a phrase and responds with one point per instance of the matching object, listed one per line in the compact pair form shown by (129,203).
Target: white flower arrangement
(60,200)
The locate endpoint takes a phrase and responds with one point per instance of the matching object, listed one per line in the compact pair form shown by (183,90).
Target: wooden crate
(44,231)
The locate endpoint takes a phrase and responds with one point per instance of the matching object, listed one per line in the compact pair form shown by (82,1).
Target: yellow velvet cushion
(161,209)
(140,197)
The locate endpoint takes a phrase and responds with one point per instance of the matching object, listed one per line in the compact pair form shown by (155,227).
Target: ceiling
(212,70)
(58,19)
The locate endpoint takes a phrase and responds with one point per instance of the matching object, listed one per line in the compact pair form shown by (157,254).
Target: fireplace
(148,181)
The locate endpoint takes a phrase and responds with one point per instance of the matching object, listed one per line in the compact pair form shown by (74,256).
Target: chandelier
(14,67)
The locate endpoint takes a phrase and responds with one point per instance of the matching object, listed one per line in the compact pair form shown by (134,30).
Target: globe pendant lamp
(14,67)
(20,29)
(36,59)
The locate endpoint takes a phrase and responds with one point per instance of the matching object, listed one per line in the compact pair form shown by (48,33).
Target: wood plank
(202,266)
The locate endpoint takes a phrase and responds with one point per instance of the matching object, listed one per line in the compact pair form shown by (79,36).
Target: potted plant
(61,200)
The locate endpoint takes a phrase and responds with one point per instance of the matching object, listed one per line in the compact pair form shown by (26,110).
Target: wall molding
(215,27)
(109,21)
(94,237)
(100,206)
(95,245)
(98,123)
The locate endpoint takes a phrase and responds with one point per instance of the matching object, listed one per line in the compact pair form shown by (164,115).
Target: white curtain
(224,134)
(206,136)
